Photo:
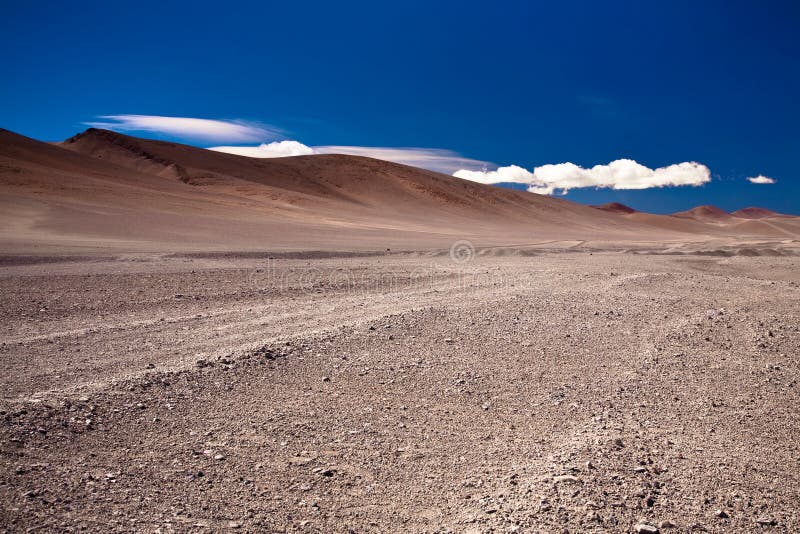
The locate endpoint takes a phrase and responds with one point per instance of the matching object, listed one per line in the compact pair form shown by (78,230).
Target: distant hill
(615,207)
(705,214)
(104,190)
(755,213)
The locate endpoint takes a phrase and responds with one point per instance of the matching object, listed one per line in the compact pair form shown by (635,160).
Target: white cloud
(434,159)
(761,179)
(207,130)
(276,149)
(510,174)
(619,174)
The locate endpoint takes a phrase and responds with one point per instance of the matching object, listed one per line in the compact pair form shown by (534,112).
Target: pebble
(219,456)
(326,379)
(666,523)
(644,528)
(722,514)
(766,521)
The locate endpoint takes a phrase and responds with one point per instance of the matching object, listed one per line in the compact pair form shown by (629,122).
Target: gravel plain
(582,391)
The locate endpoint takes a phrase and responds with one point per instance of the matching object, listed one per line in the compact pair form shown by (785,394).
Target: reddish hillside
(705,214)
(755,213)
(615,207)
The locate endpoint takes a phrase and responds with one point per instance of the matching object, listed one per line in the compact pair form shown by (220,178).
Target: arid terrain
(579,390)
(195,341)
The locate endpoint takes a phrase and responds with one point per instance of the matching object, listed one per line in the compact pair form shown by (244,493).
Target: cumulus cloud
(276,149)
(434,159)
(761,179)
(205,130)
(511,174)
(619,174)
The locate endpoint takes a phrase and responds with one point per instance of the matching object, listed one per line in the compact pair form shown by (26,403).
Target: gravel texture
(578,392)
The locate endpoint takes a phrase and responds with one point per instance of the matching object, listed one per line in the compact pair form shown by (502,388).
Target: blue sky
(509,83)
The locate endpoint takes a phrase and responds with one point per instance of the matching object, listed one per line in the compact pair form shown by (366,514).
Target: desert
(196,341)
(400,267)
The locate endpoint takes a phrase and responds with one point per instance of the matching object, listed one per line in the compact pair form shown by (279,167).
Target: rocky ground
(576,392)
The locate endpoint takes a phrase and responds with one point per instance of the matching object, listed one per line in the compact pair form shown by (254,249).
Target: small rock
(448,340)
(722,514)
(219,456)
(544,504)
(644,528)
(666,523)
(766,521)
(234,524)
(326,379)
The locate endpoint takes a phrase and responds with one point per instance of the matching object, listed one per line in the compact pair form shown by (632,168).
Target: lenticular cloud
(435,159)
(761,179)
(619,174)
(208,130)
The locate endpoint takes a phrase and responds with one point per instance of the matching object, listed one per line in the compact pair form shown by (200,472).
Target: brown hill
(103,190)
(755,213)
(615,207)
(705,214)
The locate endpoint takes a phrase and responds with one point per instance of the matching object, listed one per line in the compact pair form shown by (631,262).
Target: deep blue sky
(523,83)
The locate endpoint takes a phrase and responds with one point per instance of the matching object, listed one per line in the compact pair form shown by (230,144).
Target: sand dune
(102,190)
